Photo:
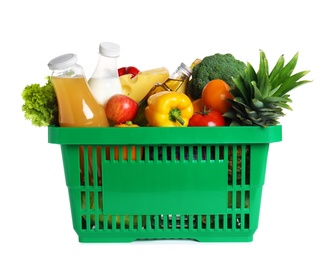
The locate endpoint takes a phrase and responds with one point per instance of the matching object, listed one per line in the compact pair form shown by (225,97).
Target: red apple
(121,108)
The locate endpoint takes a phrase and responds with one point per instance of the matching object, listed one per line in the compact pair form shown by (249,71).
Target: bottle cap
(185,69)
(109,49)
(62,62)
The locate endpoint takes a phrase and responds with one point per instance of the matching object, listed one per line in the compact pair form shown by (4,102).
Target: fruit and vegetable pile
(222,91)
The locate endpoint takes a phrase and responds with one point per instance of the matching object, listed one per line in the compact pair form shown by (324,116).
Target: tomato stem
(205,111)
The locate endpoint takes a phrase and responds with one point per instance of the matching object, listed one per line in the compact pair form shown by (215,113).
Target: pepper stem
(175,115)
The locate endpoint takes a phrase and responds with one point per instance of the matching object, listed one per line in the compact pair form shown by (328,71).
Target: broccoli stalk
(217,66)
(40,104)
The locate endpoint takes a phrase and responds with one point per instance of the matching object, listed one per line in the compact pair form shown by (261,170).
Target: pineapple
(260,97)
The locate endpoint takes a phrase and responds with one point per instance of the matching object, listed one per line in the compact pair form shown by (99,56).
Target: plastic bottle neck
(106,67)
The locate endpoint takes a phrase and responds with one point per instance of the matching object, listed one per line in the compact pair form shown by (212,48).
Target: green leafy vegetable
(40,104)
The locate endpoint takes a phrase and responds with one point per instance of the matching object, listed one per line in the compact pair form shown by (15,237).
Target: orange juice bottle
(77,108)
(77,105)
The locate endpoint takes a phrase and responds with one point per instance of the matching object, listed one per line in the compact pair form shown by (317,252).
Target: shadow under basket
(196,183)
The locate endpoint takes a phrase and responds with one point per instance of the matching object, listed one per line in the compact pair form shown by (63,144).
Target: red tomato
(207,118)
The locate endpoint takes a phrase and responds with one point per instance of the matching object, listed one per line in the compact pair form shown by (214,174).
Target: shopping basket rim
(163,135)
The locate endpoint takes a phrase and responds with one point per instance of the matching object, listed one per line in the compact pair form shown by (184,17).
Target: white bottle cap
(185,69)
(109,49)
(62,62)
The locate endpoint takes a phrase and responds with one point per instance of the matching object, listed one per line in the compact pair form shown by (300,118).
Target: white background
(34,207)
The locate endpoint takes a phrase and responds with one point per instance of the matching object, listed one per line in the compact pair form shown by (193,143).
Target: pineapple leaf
(257,103)
(273,91)
(237,113)
(276,99)
(285,105)
(291,83)
(250,73)
(257,92)
(263,67)
(265,90)
(271,115)
(250,76)
(277,68)
(286,71)
(239,89)
(234,123)
(230,114)
(287,98)
(252,114)
(289,67)
(240,101)
(263,83)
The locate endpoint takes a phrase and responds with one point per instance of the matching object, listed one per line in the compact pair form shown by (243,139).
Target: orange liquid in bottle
(77,105)
(78,108)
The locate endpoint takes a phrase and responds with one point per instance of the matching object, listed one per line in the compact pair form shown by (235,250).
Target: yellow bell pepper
(167,108)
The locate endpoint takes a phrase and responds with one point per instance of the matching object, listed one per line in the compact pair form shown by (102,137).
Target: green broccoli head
(40,104)
(217,66)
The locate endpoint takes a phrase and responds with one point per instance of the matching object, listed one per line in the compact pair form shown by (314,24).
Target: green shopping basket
(197,183)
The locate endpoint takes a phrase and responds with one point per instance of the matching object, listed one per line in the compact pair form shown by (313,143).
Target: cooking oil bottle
(173,83)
